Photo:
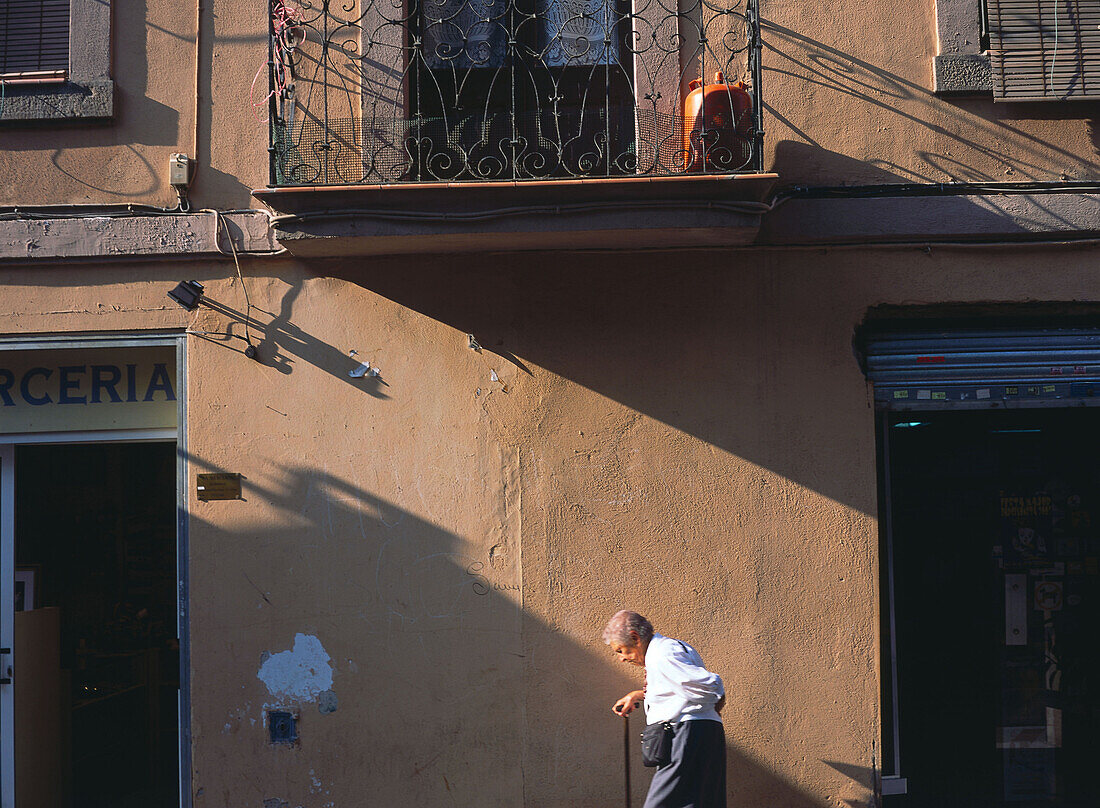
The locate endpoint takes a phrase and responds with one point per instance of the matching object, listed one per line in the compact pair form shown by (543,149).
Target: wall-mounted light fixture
(188,294)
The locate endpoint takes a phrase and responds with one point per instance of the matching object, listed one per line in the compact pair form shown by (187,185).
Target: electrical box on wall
(179,170)
(282,726)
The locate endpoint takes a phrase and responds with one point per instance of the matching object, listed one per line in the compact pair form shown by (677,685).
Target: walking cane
(626,757)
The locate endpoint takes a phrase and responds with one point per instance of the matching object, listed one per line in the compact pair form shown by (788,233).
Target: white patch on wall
(302,673)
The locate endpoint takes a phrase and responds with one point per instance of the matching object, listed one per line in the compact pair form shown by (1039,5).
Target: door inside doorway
(96,690)
(994,537)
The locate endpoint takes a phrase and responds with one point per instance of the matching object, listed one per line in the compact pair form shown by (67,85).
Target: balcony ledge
(606,213)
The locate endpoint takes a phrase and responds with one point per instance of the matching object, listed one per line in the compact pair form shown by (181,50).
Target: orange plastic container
(717,126)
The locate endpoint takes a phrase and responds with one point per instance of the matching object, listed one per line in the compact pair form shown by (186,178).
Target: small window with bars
(1044,50)
(34,39)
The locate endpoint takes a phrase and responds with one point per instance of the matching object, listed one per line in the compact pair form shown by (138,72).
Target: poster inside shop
(1047,561)
(1048,535)
(79,390)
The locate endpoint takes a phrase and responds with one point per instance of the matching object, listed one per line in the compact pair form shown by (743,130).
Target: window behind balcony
(381,91)
(534,87)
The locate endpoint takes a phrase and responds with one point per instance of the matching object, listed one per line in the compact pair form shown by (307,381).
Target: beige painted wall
(849,91)
(687,434)
(843,107)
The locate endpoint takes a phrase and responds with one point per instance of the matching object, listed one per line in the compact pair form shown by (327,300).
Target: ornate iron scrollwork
(384,91)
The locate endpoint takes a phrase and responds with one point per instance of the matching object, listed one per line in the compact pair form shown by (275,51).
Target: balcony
(574,106)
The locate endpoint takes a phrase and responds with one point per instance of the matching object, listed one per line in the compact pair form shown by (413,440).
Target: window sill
(606,213)
(57,102)
(962,74)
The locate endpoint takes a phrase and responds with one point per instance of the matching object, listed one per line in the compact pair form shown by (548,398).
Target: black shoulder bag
(657,744)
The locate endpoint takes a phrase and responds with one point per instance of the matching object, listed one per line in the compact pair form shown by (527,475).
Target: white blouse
(678,687)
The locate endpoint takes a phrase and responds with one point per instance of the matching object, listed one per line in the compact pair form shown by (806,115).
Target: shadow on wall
(280,343)
(730,359)
(444,691)
(685,338)
(979,142)
(143,121)
(950,214)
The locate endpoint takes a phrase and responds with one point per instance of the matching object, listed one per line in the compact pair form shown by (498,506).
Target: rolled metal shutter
(34,37)
(986,369)
(1044,50)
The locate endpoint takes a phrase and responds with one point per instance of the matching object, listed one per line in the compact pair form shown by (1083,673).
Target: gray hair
(622,623)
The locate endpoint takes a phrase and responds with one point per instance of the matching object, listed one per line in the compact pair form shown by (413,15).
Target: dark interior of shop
(995,521)
(96,528)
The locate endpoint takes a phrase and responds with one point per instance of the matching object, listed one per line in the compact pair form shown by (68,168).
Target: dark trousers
(696,775)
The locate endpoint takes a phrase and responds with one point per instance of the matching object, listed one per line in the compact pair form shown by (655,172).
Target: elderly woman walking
(682,702)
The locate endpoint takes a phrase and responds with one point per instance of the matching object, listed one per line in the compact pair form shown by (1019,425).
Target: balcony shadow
(981,133)
(446,689)
(974,214)
(816,158)
(692,354)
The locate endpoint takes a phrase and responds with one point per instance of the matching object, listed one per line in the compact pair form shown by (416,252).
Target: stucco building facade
(472,420)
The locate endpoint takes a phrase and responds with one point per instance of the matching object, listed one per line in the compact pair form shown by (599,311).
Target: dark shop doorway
(95,528)
(991,608)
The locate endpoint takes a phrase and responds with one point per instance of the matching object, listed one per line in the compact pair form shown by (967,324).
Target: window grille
(1044,49)
(34,37)
(397,91)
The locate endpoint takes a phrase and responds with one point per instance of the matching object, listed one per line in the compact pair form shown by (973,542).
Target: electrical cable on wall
(183,204)
(1054,59)
(886,190)
(287,35)
(220,226)
(916,189)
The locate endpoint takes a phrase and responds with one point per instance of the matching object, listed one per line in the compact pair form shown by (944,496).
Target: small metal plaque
(218,486)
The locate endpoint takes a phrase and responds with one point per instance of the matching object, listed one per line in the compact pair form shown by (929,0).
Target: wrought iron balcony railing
(397,91)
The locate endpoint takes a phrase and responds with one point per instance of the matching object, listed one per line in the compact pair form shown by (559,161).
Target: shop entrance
(95,542)
(92,584)
(992,535)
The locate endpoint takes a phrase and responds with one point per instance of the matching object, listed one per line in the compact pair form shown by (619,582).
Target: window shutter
(34,36)
(1044,49)
(984,369)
